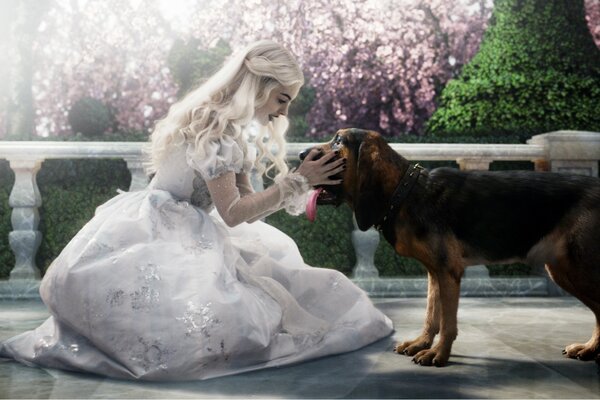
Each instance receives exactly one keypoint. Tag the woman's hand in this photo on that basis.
(317, 172)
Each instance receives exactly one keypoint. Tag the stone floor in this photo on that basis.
(506, 348)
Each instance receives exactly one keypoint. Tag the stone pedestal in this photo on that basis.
(139, 179)
(480, 164)
(574, 152)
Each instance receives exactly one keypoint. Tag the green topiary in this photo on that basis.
(538, 70)
(90, 117)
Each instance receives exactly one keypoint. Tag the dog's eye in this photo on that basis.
(336, 142)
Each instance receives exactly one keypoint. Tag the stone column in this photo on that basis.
(139, 179)
(25, 199)
(481, 164)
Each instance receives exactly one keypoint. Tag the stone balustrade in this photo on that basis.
(562, 151)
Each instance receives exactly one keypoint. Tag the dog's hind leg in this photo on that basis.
(432, 322)
(588, 295)
(591, 349)
(577, 270)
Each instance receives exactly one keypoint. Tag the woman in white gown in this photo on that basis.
(161, 286)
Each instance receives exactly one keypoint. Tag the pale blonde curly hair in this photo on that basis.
(225, 105)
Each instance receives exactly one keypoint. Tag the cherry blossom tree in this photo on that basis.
(373, 63)
(593, 18)
(109, 50)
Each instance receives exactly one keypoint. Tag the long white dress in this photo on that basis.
(157, 287)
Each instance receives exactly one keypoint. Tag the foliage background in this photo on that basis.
(400, 53)
(378, 64)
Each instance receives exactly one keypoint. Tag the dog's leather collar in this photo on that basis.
(401, 193)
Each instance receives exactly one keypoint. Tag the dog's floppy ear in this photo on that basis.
(367, 198)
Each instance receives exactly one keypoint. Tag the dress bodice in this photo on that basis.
(184, 174)
(177, 177)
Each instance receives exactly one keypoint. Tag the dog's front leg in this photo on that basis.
(432, 322)
(439, 354)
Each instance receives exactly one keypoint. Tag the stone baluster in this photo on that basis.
(365, 244)
(25, 199)
(139, 179)
(467, 164)
(481, 164)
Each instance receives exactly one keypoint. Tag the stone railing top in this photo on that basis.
(40, 150)
(452, 151)
(553, 145)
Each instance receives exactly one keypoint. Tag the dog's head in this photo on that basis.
(368, 159)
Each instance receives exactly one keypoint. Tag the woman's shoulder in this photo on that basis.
(215, 156)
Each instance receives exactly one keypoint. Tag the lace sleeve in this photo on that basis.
(295, 190)
(235, 209)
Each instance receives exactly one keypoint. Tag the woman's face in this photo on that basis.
(277, 104)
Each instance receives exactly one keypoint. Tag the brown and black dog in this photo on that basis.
(449, 219)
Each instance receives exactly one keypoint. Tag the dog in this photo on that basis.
(449, 219)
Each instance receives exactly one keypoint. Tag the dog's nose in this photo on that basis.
(302, 155)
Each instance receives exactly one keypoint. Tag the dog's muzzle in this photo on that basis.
(331, 194)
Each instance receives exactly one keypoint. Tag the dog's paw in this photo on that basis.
(412, 347)
(584, 352)
(431, 357)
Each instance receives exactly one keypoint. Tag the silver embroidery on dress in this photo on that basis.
(150, 272)
(144, 299)
(198, 319)
(205, 243)
(200, 246)
(115, 297)
(150, 354)
(42, 345)
(73, 348)
(91, 315)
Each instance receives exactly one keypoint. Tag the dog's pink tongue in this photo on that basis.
(311, 205)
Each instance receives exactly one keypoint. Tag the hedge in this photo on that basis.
(7, 259)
